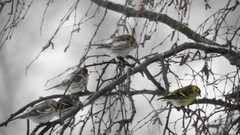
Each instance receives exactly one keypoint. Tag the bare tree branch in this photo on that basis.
(153, 16)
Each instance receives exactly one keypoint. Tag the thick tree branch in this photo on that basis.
(219, 102)
(138, 69)
(232, 56)
(131, 12)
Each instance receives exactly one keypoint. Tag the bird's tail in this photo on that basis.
(18, 117)
(99, 46)
(15, 118)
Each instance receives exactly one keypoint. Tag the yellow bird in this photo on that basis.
(67, 103)
(183, 96)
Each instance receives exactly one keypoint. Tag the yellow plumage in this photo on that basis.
(67, 103)
(183, 96)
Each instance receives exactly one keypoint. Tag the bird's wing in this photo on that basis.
(106, 43)
(35, 111)
(99, 46)
(120, 45)
(65, 82)
(177, 94)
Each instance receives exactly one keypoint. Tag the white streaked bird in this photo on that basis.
(119, 46)
(41, 113)
(75, 82)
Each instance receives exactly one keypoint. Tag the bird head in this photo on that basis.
(82, 71)
(196, 90)
(130, 39)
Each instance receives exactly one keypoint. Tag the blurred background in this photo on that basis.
(19, 87)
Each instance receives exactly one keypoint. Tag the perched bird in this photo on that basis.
(183, 96)
(77, 80)
(119, 46)
(67, 103)
(41, 113)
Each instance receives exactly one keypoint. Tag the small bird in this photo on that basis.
(67, 103)
(77, 80)
(183, 96)
(41, 113)
(119, 46)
